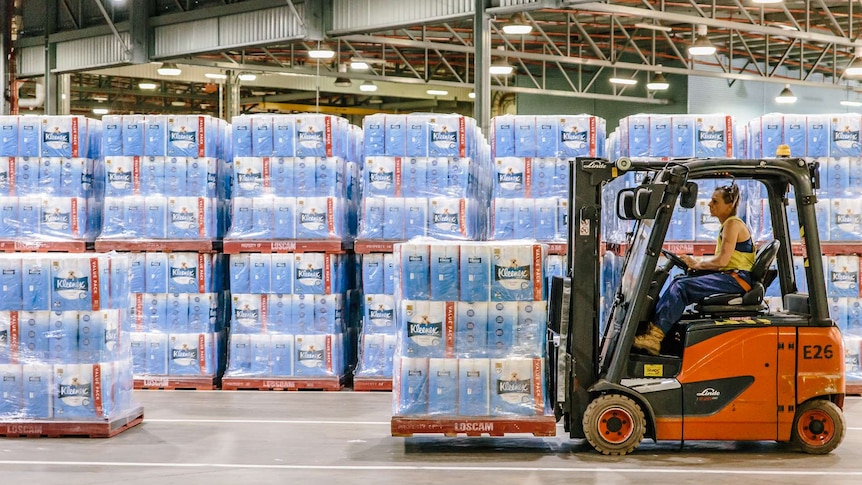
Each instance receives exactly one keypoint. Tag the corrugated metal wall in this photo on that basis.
(366, 15)
(92, 52)
(31, 61)
(517, 3)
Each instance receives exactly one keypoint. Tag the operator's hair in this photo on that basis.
(730, 195)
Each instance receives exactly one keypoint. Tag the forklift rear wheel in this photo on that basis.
(614, 424)
(819, 427)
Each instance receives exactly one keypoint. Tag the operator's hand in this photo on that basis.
(689, 261)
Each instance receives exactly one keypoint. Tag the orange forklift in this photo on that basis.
(732, 368)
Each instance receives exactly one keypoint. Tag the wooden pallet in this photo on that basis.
(332, 246)
(158, 245)
(451, 426)
(372, 383)
(853, 388)
(176, 383)
(64, 429)
(36, 246)
(333, 383)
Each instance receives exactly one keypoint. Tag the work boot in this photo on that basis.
(650, 342)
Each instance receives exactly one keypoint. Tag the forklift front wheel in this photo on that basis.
(614, 424)
(819, 427)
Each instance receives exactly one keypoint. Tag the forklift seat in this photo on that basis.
(750, 302)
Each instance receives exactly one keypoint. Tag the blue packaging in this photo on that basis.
(502, 320)
(63, 217)
(242, 223)
(471, 329)
(32, 326)
(512, 273)
(64, 136)
(61, 337)
(11, 391)
(714, 136)
(417, 135)
(475, 272)
(303, 176)
(26, 175)
(282, 273)
(249, 312)
(279, 313)
(155, 311)
(415, 276)
(838, 310)
(187, 218)
(372, 355)
(517, 387)
(152, 175)
(188, 272)
(503, 219)
(200, 306)
(682, 130)
(393, 222)
(11, 283)
(186, 136)
(328, 314)
(314, 136)
(8, 136)
(37, 391)
(190, 354)
(157, 354)
(448, 218)
(281, 176)
(156, 273)
(682, 225)
(175, 176)
(845, 220)
(137, 272)
(854, 184)
(796, 134)
(282, 354)
(314, 356)
(138, 343)
(261, 355)
(389, 273)
(316, 218)
(842, 276)
(412, 394)
(442, 386)
(429, 328)
(578, 136)
(445, 264)
(845, 135)
(382, 175)
(134, 127)
(29, 136)
(7, 173)
(459, 177)
(29, 214)
(819, 136)
(72, 174)
(197, 177)
(241, 132)
(49, 175)
(547, 136)
(474, 387)
(503, 136)
(510, 177)
(313, 274)
(36, 283)
(545, 223)
(177, 311)
(772, 134)
(375, 136)
(437, 175)
(283, 135)
(531, 327)
(112, 135)
(372, 274)
(706, 226)
(660, 136)
(415, 217)
(329, 177)
(239, 354)
(414, 176)
(155, 215)
(448, 136)
(260, 273)
(396, 135)
(637, 128)
(379, 314)
(262, 139)
(373, 210)
(525, 136)
(541, 173)
(71, 285)
(240, 271)
(157, 136)
(91, 335)
(302, 314)
(524, 226)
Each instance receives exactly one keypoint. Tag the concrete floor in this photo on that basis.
(246, 437)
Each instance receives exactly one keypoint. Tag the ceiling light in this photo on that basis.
(785, 96)
(854, 104)
(660, 28)
(471, 95)
(247, 76)
(368, 87)
(500, 67)
(342, 82)
(148, 86)
(622, 80)
(215, 75)
(764, 2)
(100, 111)
(100, 98)
(359, 65)
(169, 69)
(437, 92)
(658, 82)
(702, 46)
(855, 67)
(322, 52)
(375, 100)
(178, 103)
(518, 25)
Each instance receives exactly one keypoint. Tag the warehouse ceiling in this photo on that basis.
(572, 50)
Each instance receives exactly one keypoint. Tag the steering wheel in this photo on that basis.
(674, 260)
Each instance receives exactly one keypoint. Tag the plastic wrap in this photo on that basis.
(480, 353)
(164, 177)
(660, 136)
(63, 355)
(289, 315)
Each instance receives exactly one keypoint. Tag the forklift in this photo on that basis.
(732, 368)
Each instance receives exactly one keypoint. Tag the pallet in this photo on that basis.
(372, 383)
(333, 383)
(853, 388)
(12, 246)
(451, 426)
(65, 429)
(237, 246)
(373, 246)
(176, 383)
(158, 245)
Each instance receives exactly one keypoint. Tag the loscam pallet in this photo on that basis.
(66, 429)
(282, 384)
(372, 383)
(176, 383)
(451, 426)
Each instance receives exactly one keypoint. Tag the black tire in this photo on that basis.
(614, 424)
(818, 427)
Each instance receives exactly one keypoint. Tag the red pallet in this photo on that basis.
(451, 426)
(854, 388)
(157, 245)
(370, 246)
(372, 383)
(175, 383)
(282, 384)
(43, 246)
(64, 429)
(236, 246)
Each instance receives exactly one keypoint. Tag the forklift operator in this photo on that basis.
(728, 270)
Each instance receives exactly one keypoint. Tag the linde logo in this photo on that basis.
(309, 273)
(846, 277)
(312, 217)
(444, 136)
(119, 177)
(510, 178)
(511, 272)
(182, 135)
(708, 394)
(55, 218)
(380, 314)
(573, 136)
(710, 136)
(381, 177)
(845, 135)
(184, 272)
(183, 216)
(311, 354)
(74, 390)
(848, 218)
(593, 164)
(184, 353)
(56, 136)
(425, 329)
(71, 283)
(445, 218)
(514, 386)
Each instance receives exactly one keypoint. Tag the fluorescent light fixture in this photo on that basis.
(100, 98)
(375, 100)
(342, 82)
(701, 46)
(518, 25)
(765, 2)
(437, 92)
(247, 76)
(322, 52)
(169, 69)
(786, 96)
(500, 68)
(368, 87)
(658, 82)
(660, 28)
(147, 86)
(359, 65)
(178, 103)
(215, 75)
(100, 111)
(471, 95)
(623, 81)
(854, 104)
